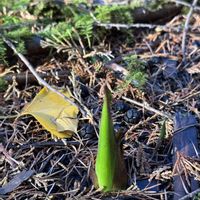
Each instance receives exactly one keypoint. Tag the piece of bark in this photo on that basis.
(16, 181)
(184, 143)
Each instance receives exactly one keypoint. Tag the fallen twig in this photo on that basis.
(185, 30)
(186, 4)
(127, 26)
(50, 143)
(146, 106)
(22, 78)
(190, 195)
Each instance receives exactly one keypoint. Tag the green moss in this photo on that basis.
(3, 84)
(6, 20)
(23, 32)
(20, 4)
(114, 14)
(14, 5)
(18, 36)
(2, 52)
(10, 29)
(136, 68)
(47, 10)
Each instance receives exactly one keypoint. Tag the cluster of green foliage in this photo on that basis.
(2, 52)
(114, 14)
(12, 25)
(137, 75)
(75, 26)
(61, 23)
(14, 5)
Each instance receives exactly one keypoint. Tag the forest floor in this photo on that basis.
(35, 165)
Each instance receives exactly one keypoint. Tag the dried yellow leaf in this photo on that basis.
(54, 113)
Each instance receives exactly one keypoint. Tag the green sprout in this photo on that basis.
(111, 174)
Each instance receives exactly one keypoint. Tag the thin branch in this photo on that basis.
(140, 25)
(186, 27)
(190, 195)
(118, 26)
(127, 26)
(39, 79)
(119, 3)
(146, 106)
(186, 4)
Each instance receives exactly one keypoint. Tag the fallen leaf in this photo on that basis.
(54, 113)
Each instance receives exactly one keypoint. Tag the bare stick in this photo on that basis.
(190, 195)
(127, 26)
(185, 30)
(185, 4)
(146, 106)
(39, 79)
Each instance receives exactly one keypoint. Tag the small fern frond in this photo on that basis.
(84, 26)
(23, 32)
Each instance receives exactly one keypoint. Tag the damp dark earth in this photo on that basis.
(89, 88)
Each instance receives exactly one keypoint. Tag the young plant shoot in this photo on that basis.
(111, 174)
